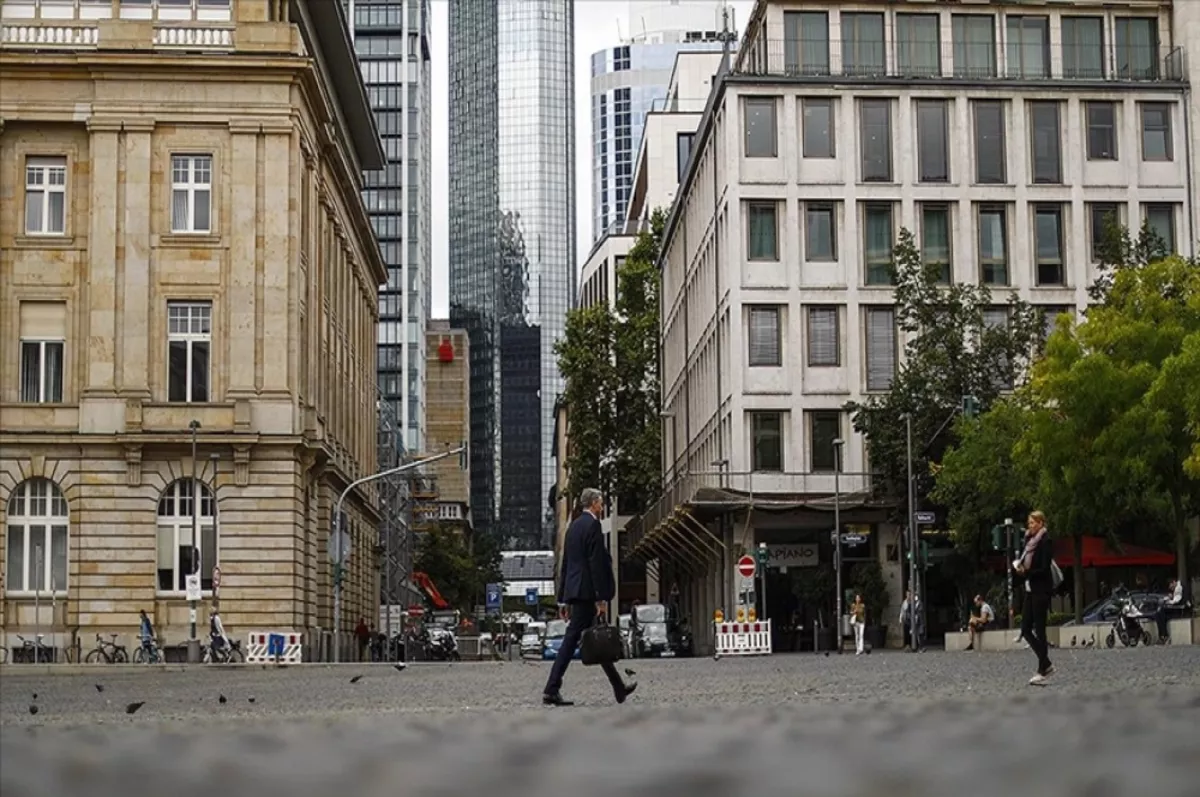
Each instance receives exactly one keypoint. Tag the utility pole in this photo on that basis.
(1008, 529)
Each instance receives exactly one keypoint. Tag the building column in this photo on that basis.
(133, 333)
(101, 305)
(275, 324)
(242, 235)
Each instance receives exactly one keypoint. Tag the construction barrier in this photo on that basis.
(743, 639)
(274, 647)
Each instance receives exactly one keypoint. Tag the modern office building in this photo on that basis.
(512, 245)
(1001, 134)
(629, 81)
(391, 39)
(188, 286)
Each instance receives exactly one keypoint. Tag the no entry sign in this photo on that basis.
(746, 567)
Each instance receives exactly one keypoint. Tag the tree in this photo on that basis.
(586, 361)
(459, 572)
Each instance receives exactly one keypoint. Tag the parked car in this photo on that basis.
(531, 644)
(1105, 610)
(657, 630)
(624, 623)
(555, 631)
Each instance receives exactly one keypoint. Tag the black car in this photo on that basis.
(657, 630)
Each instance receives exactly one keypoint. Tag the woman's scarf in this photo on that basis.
(1031, 545)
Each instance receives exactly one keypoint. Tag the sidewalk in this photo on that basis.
(81, 669)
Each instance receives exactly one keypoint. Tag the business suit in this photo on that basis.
(586, 579)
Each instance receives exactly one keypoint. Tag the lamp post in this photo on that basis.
(722, 466)
(914, 537)
(215, 459)
(193, 650)
(837, 533)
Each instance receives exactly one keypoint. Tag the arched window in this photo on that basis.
(36, 553)
(178, 555)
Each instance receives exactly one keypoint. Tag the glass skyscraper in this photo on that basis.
(391, 38)
(512, 245)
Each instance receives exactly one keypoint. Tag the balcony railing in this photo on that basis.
(75, 24)
(945, 60)
(158, 10)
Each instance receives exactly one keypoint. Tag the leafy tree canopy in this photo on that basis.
(460, 572)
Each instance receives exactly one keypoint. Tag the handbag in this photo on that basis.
(601, 644)
(1056, 576)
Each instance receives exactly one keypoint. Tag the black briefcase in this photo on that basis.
(601, 644)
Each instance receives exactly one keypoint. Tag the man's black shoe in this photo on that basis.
(625, 692)
(555, 700)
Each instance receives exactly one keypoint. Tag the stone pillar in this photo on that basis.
(102, 259)
(275, 320)
(243, 259)
(133, 332)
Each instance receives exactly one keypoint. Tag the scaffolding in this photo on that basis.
(395, 510)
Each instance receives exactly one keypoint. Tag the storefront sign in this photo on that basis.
(803, 555)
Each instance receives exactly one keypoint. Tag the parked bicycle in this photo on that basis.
(107, 652)
(148, 654)
(32, 652)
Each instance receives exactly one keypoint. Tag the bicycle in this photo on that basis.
(148, 655)
(108, 652)
(33, 653)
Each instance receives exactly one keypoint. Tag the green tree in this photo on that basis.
(460, 572)
(586, 361)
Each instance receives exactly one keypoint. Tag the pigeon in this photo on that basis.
(35, 695)
(221, 699)
(400, 666)
(133, 707)
(630, 672)
(356, 679)
(99, 688)
(251, 700)
(827, 654)
(33, 709)
(1072, 641)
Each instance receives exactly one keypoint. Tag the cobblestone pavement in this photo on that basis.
(1118, 722)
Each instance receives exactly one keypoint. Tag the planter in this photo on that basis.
(876, 636)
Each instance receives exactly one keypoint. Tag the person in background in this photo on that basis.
(858, 618)
(1034, 564)
(980, 622)
(362, 635)
(910, 619)
(1172, 604)
(216, 632)
(146, 632)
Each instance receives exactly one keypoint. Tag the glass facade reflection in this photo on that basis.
(512, 245)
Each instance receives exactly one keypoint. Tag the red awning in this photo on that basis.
(1098, 553)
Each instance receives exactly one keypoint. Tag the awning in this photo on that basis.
(1098, 553)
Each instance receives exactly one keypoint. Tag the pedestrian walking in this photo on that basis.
(585, 586)
(910, 620)
(858, 618)
(1035, 565)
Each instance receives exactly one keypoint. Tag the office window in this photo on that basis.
(1156, 132)
(762, 228)
(878, 235)
(43, 332)
(974, 42)
(1137, 48)
(760, 127)
(990, 158)
(766, 434)
(1104, 219)
(824, 427)
(45, 196)
(1050, 314)
(862, 44)
(1028, 47)
(191, 193)
(818, 127)
(875, 122)
(1046, 142)
(806, 42)
(1083, 48)
(683, 152)
(881, 348)
(1048, 232)
(1101, 131)
(189, 343)
(935, 240)
(820, 231)
(179, 554)
(933, 149)
(1161, 218)
(993, 245)
(765, 337)
(824, 335)
(998, 318)
(918, 45)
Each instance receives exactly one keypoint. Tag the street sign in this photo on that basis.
(531, 596)
(926, 518)
(746, 567)
(216, 578)
(191, 584)
(416, 610)
(853, 539)
(493, 598)
(332, 547)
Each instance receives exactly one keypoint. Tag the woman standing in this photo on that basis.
(1034, 564)
(858, 618)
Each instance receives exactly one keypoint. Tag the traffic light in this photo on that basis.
(997, 538)
(763, 555)
(970, 406)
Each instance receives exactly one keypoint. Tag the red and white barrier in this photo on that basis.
(258, 648)
(743, 639)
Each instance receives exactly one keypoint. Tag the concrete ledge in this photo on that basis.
(1184, 630)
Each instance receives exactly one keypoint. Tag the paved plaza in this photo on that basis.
(1119, 722)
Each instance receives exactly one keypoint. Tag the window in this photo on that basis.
(820, 232)
(1101, 131)
(824, 335)
(1046, 142)
(766, 344)
(766, 432)
(1156, 132)
(45, 196)
(974, 39)
(875, 118)
(993, 245)
(1050, 316)
(1137, 48)
(990, 157)
(762, 231)
(818, 127)
(1083, 48)
(935, 240)
(998, 318)
(824, 427)
(43, 330)
(933, 152)
(1161, 218)
(760, 127)
(881, 347)
(862, 44)
(36, 553)
(191, 193)
(683, 152)
(1048, 231)
(189, 343)
(806, 42)
(1104, 221)
(179, 553)
(918, 45)
(877, 242)
(1028, 47)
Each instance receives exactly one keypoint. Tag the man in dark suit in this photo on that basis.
(585, 585)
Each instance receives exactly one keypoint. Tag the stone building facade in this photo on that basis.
(448, 418)
(183, 242)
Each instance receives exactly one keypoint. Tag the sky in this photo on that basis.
(598, 24)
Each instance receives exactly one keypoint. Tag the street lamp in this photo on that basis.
(215, 459)
(193, 650)
(914, 538)
(837, 533)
